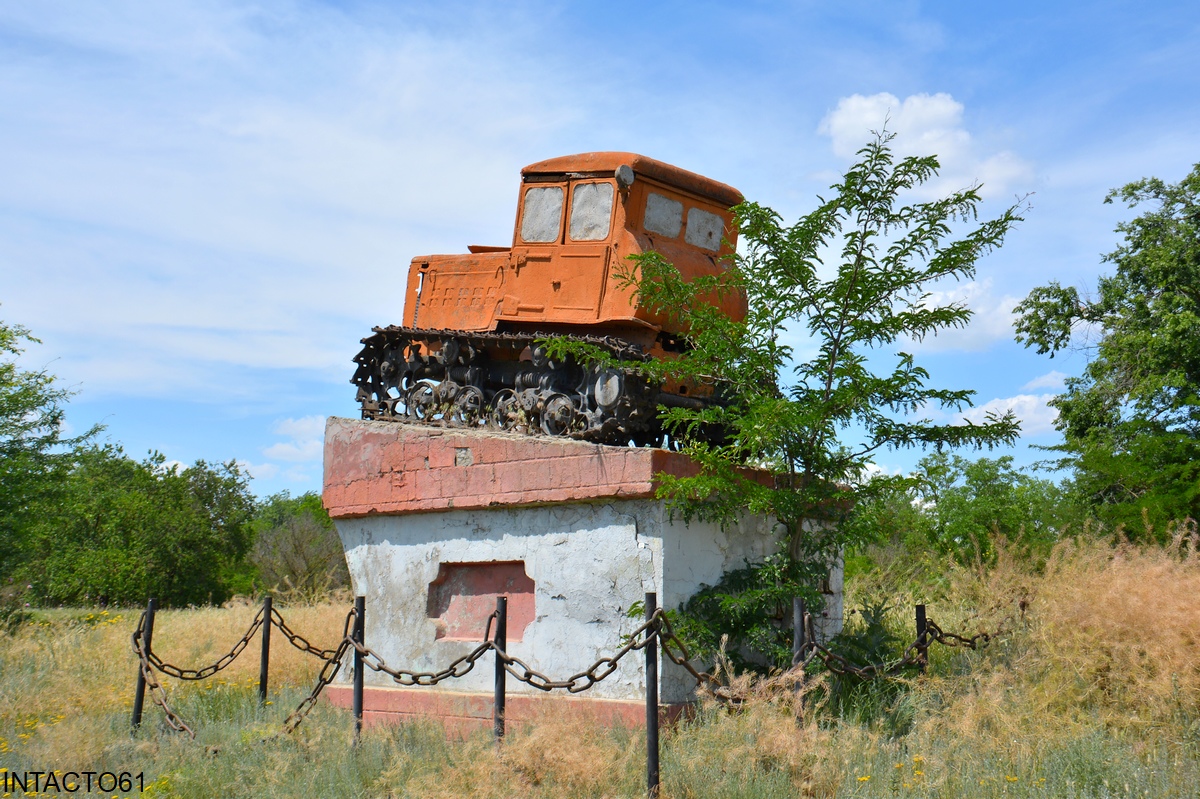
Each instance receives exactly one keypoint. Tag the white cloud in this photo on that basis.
(259, 471)
(307, 427)
(1032, 410)
(295, 475)
(307, 440)
(926, 124)
(992, 320)
(220, 194)
(299, 475)
(166, 467)
(210, 204)
(872, 469)
(298, 451)
(1049, 380)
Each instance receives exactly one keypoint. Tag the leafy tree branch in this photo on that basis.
(1131, 422)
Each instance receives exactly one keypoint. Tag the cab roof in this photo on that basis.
(607, 162)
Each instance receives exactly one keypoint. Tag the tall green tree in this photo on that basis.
(34, 451)
(1131, 422)
(957, 505)
(832, 298)
(125, 530)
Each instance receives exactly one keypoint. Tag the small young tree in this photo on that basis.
(853, 276)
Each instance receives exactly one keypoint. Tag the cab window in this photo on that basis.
(663, 215)
(591, 211)
(542, 219)
(704, 229)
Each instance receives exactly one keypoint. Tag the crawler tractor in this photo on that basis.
(468, 353)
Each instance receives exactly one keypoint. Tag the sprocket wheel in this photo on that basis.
(559, 415)
(467, 409)
(421, 404)
(506, 410)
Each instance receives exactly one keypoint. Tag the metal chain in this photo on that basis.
(657, 626)
(332, 665)
(978, 641)
(913, 656)
(708, 683)
(914, 653)
(584, 680)
(157, 694)
(406, 677)
(208, 671)
(299, 641)
(841, 666)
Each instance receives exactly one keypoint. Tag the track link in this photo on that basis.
(505, 381)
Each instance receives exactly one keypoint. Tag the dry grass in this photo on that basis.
(555, 755)
(1109, 638)
(763, 748)
(1121, 632)
(77, 666)
(1095, 692)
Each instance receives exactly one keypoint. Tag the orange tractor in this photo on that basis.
(469, 353)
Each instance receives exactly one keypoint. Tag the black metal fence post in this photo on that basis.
(360, 613)
(922, 637)
(139, 693)
(266, 651)
(501, 644)
(652, 783)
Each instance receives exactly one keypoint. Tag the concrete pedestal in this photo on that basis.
(437, 523)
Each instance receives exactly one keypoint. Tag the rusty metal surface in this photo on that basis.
(459, 667)
(503, 381)
(332, 666)
(157, 694)
(564, 284)
(583, 680)
(606, 163)
(915, 654)
(300, 642)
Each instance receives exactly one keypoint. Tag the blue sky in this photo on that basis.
(203, 206)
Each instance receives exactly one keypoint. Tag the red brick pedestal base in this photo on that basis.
(466, 713)
(439, 523)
